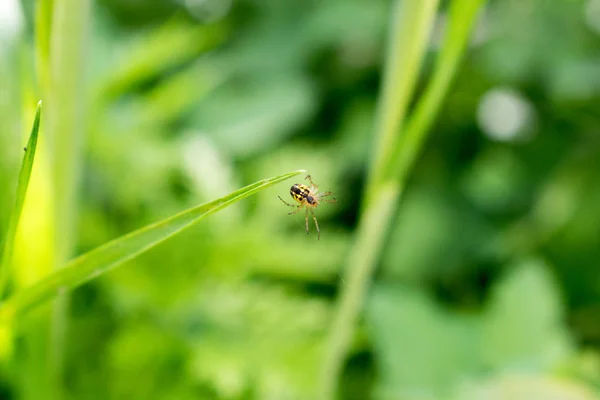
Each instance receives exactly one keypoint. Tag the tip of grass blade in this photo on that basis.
(22, 184)
(96, 262)
(33, 137)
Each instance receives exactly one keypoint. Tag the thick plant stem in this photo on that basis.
(410, 29)
(362, 261)
(411, 24)
(65, 112)
(395, 154)
(462, 16)
(68, 46)
(62, 36)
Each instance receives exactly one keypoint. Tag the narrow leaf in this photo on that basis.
(15, 215)
(112, 254)
(462, 16)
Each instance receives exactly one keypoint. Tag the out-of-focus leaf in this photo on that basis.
(420, 349)
(524, 387)
(431, 228)
(164, 48)
(524, 325)
(176, 94)
(257, 335)
(246, 118)
(495, 181)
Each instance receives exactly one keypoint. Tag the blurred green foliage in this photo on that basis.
(489, 285)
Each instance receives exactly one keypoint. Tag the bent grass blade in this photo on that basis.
(22, 185)
(115, 253)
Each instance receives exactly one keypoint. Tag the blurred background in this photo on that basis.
(489, 284)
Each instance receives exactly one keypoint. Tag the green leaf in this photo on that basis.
(462, 16)
(419, 346)
(523, 386)
(412, 23)
(112, 254)
(524, 323)
(161, 49)
(22, 184)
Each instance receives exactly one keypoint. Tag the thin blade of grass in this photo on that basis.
(15, 215)
(112, 254)
(411, 25)
(462, 15)
(385, 188)
(409, 37)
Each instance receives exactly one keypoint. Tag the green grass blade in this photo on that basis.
(390, 170)
(112, 254)
(462, 15)
(22, 184)
(409, 36)
(411, 25)
(43, 26)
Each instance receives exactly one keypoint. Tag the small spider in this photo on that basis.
(308, 197)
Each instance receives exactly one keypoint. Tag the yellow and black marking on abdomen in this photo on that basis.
(301, 193)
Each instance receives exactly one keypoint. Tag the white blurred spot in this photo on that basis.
(505, 115)
(208, 10)
(591, 11)
(210, 172)
(11, 20)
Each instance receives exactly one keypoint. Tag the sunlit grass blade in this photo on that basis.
(22, 184)
(409, 37)
(411, 24)
(395, 155)
(462, 16)
(108, 256)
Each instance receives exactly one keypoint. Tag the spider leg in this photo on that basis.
(306, 220)
(286, 203)
(325, 194)
(296, 210)
(316, 223)
(315, 187)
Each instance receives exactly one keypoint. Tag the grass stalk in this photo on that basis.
(61, 31)
(410, 29)
(394, 156)
(22, 185)
(118, 251)
(462, 14)
(411, 24)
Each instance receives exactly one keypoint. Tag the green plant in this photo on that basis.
(8, 241)
(396, 150)
(110, 255)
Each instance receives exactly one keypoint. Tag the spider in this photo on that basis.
(309, 199)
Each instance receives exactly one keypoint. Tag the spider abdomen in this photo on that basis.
(309, 198)
(300, 192)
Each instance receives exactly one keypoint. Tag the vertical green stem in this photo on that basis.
(410, 28)
(363, 258)
(43, 23)
(394, 155)
(411, 24)
(65, 111)
(66, 94)
(461, 18)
